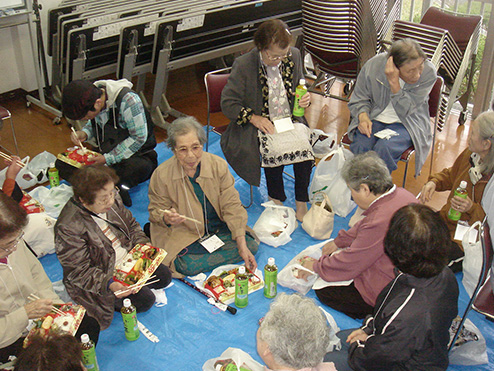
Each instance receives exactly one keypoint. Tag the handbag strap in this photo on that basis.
(325, 200)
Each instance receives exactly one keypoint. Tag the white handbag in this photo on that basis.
(318, 222)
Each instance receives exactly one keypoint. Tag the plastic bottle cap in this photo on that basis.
(271, 261)
(463, 184)
(85, 338)
(241, 270)
(127, 303)
(52, 164)
(301, 82)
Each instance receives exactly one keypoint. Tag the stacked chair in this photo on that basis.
(450, 40)
(341, 36)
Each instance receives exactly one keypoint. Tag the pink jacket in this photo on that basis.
(363, 259)
(325, 366)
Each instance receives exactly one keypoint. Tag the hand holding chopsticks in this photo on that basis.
(10, 158)
(78, 139)
(40, 310)
(136, 286)
(169, 212)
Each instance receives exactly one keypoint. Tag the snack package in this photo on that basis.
(55, 323)
(31, 205)
(77, 157)
(139, 264)
(221, 282)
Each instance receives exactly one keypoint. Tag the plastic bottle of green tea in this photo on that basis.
(270, 279)
(88, 353)
(300, 91)
(53, 176)
(130, 320)
(461, 191)
(241, 288)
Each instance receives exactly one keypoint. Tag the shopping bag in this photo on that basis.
(318, 222)
(470, 347)
(39, 233)
(276, 224)
(472, 263)
(53, 199)
(322, 143)
(327, 178)
(40, 164)
(25, 178)
(233, 356)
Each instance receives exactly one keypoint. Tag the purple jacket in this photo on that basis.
(363, 258)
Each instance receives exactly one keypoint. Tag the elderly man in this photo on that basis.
(392, 92)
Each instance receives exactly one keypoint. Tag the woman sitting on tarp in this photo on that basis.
(93, 234)
(194, 209)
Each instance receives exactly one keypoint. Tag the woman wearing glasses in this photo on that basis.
(259, 91)
(22, 276)
(93, 234)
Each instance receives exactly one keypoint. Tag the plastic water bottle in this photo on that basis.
(270, 279)
(241, 288)
(88, 353)
(461, 191)
(300, 91)
(129, 316)
(53, 176)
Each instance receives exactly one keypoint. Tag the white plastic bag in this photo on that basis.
(25, 178)
(327, 178)
(286, 276)
(472, 263)
(238, 356)
(40, 164)
(276, 224)
(54, 199)
(472, 349)
(334, 341)
(39, 233)
(322, 143)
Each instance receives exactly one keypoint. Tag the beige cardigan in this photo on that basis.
(171, 187)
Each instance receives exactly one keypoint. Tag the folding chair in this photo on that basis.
(215, 81)
(5, 115)
(484, 282)
(435, 97)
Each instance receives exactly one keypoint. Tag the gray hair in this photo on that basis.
(405, 50)
(367, 168)
(296, 331)
(183, 126)
(485, 122)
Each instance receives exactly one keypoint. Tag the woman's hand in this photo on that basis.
(244, 252)
(304, 102)
(427, 191)
(263, 124)
(117, 286)
(463, 205)
(38, 308)
(14, 166)
(358, 334)
(309, 264)
(365, 124)
(78, 136)
(329, 248)
(172, 217)
(393, 75)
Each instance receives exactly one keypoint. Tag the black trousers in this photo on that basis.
(276, 188)
(345, 299)
(145, 298)
(89, 326)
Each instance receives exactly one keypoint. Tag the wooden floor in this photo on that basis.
(36, 132)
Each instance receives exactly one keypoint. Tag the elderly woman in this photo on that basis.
(409, 329)
(294, 335)
(194, 209)
(392, 92)
(474, 165)
(93, 234)
(22, 275)
(360, 256)
(259, 91)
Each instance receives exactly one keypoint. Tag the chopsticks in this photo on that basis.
(183, 216)
(8, 157)
(34, 297)
(136, 286)
(80, 143)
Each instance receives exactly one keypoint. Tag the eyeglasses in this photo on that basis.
(184, 151)
(105, 199)
(277, 58)
(12, 245)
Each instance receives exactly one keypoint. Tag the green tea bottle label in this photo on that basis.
(270, 279)
(129, 317)
(241, 288)
(300, 91)
(89, 353)
(461, 191)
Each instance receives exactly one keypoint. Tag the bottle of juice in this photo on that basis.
(299, 93)
(88, 353)
(53, 176)
(270, 279)
(241, 288)
(461, 191)
(130, 320)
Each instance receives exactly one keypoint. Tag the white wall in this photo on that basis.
(16, 56)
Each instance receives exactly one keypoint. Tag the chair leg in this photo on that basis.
(251, 198)
(405, 175)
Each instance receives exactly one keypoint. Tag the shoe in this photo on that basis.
(127, 201)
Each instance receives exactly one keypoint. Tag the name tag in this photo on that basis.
(211, 243)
